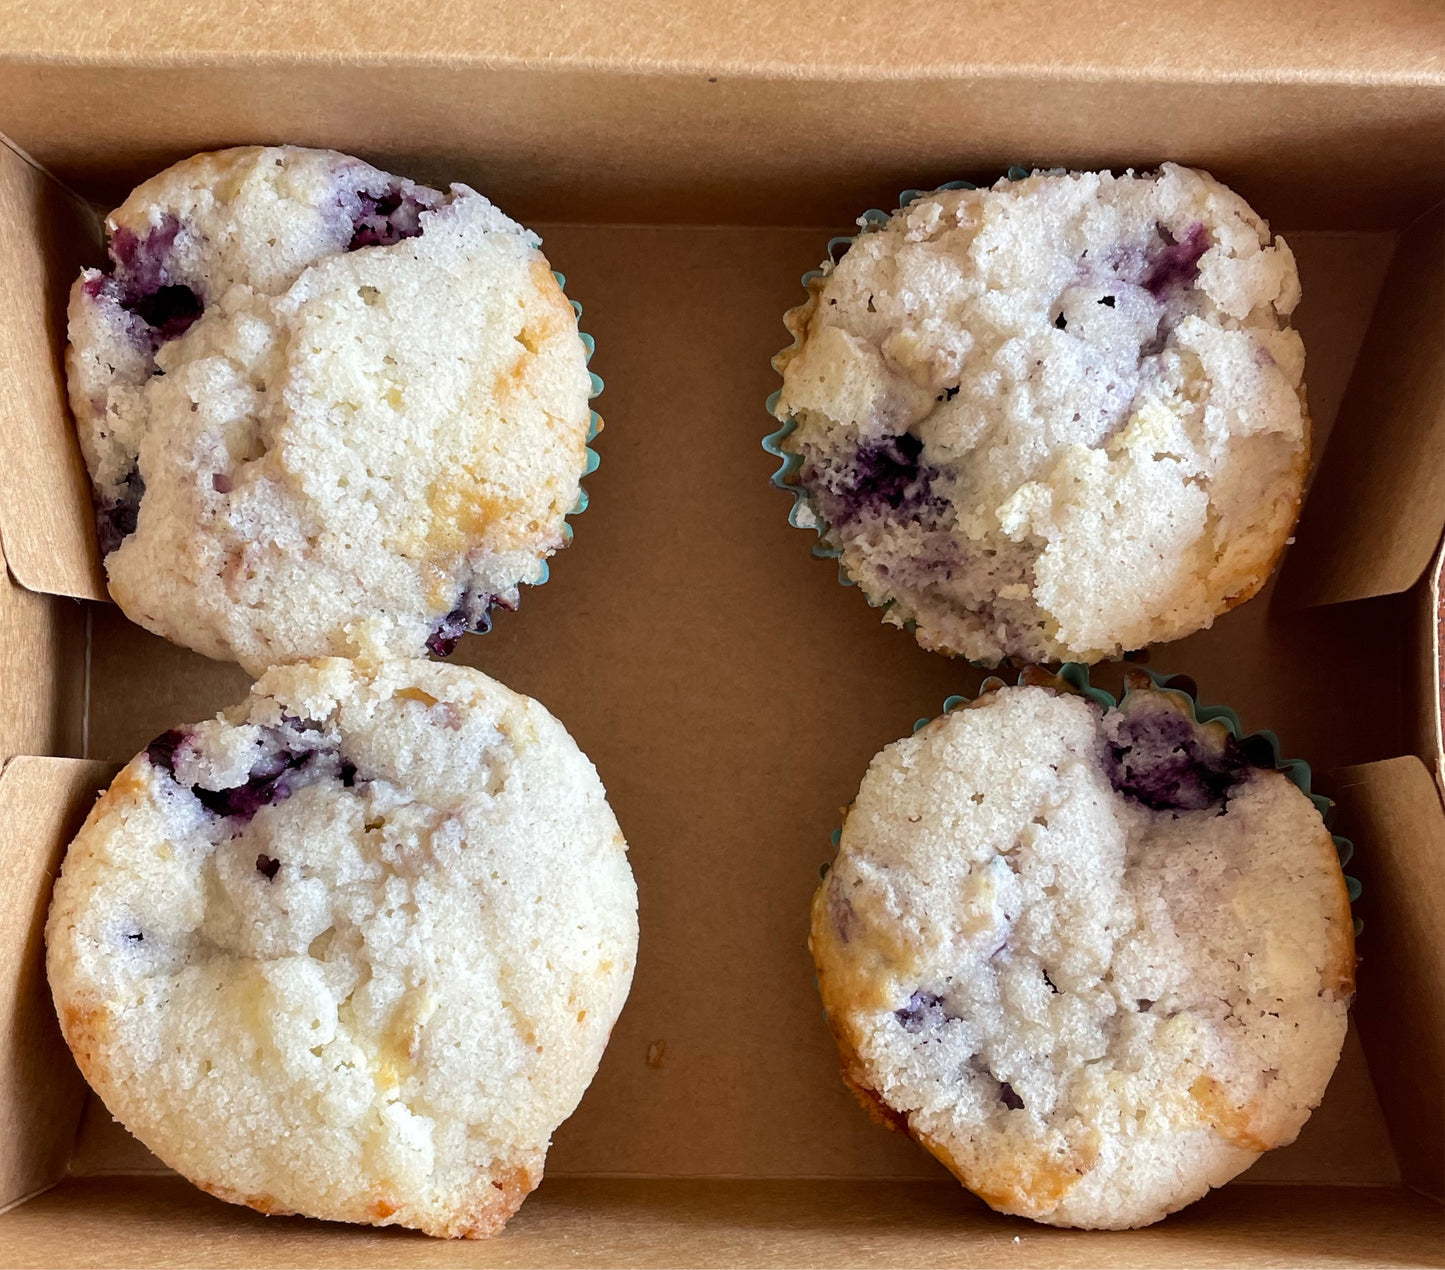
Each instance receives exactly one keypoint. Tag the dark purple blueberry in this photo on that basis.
(1178, 264)
(448, 634)
(472, 613)
(1107, 300)
(162, 751)
(923, 1011)
(386, 219)
(220, 482)
(1158, 758)
(266, 784)
(117, 516)
(1061, 322)
(170, 310)
(882, 478)
(1007, 1096)
(348, 773)
(267, 867)
(140, 264)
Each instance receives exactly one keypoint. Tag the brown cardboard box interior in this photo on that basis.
(731, 694)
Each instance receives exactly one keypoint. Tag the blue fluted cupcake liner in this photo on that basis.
(594, 427)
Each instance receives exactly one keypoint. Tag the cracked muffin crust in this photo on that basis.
(325, 410)
(1095, 962)
(1058, 419)
(353, 948)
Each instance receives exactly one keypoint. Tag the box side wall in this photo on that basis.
(43, 671)
(42, 1096)
(1376, 509)
(648, 146)
(1394, 810)
(637, 1223)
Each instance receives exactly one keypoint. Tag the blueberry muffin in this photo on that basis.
(351, 949)
(1058, 419)
(325, 410)
(1094, 960)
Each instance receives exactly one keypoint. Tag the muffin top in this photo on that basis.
(1061, 418)
(352, 948)
(325, 410)
(1095, 961)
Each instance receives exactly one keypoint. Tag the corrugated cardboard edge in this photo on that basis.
(1376, 510)
(42, 804)
(1430, 691)
(1393, 812)
(45, 524)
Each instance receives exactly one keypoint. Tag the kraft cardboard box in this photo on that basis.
(684, 165)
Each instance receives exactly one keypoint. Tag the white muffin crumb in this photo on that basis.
(325, 410)
(1057, 419)
(352, 949)
(1095, 962)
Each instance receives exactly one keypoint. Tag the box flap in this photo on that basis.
(1393, 812)
(45, 509)
(634, 1223)
(42, 804)
(1375, 512)
(1400, 43)
(769, 114)
(42, 671)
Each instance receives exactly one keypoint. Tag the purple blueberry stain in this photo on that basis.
(923, 1012)
(385, 219)
(117, 515)
(1178, 264)
(267, 866)
(221, 483)
(140, 281)
(883, 478)
(1158, 758)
